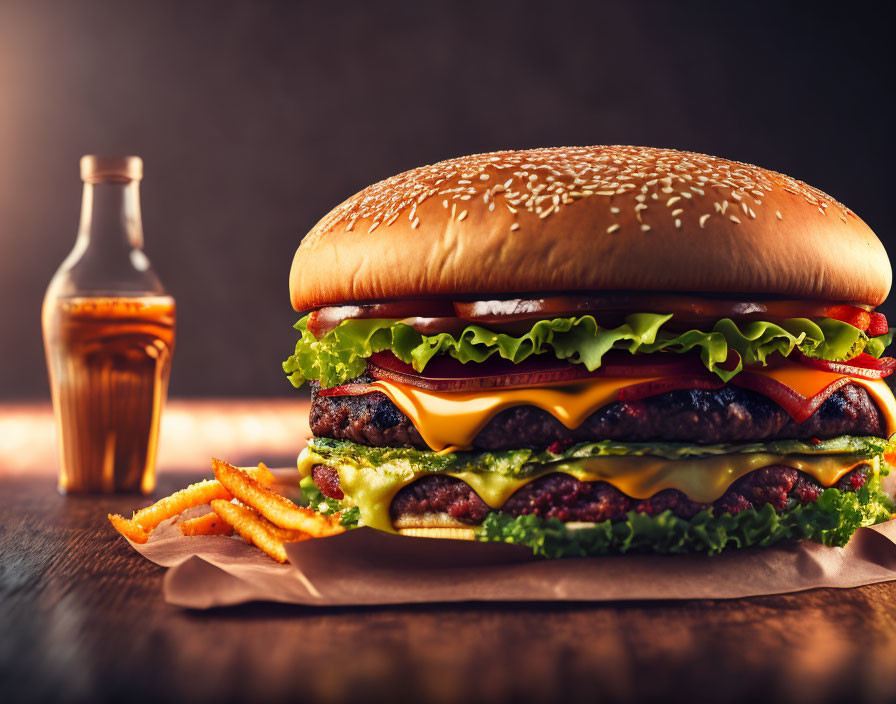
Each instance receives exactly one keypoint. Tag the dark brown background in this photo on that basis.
(255, 118)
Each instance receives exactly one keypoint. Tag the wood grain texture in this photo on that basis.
(82, 619)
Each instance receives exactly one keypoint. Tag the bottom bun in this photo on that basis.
(453, 533)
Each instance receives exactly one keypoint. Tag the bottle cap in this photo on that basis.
(111, 169)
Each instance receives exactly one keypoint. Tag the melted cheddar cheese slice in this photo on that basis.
(451, 420)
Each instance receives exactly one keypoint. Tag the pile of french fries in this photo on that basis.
(242, 502)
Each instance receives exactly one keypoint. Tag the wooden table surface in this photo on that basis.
(82, 619)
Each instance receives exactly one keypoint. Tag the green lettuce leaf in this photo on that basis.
(517, 462)
(341, 354)
(831, 520)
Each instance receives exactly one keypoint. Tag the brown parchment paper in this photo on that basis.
(368, 567)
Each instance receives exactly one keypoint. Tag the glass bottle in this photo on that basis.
(108, 327)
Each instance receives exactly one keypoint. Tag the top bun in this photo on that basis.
(589, 219)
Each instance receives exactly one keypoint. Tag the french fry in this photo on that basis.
(145, 520)
(209, 524)
(254, 528)
(257, 529)
(262, 474)
(194, 495)
(128, 528)
(276, 508)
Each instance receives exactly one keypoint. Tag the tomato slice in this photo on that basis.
(448, 374)
(864, 366)
(878, 325)
(797, 406)
(688, 309)
(505, 310)
(321, 321)
(348, 390)
(853, 315)
(512, 315)
(638, 392)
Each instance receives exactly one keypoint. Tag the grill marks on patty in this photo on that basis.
(730, 414)
(566, 498)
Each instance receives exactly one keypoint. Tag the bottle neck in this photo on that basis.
(110, 216)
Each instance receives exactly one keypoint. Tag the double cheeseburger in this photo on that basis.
(595, 350)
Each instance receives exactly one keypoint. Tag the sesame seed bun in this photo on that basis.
(589, 219)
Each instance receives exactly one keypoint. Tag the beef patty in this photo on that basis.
(568, 499)
(730, 414)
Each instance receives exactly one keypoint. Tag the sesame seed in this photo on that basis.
(613, 228)
(678, 223)
(778, 215)
(704, 218)
(673, 200)
(645, 228)
(677, 212)
(462, 215)
(614, 210)
(415, 223)
(515, 226)
(734, 218)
